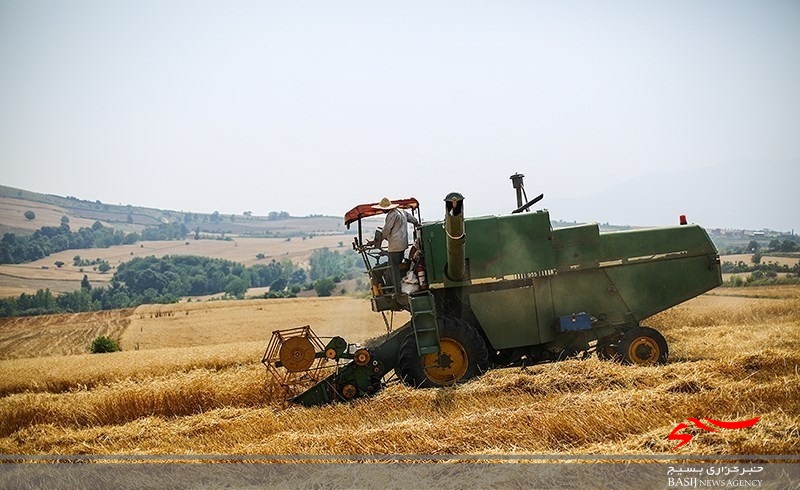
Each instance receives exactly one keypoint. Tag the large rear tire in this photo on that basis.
(463, 356)
(643, 346)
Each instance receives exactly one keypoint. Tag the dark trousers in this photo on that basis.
(395, 259)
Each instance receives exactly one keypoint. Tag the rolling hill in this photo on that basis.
(50, 208)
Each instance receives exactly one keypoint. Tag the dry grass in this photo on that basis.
(13, 215)
(65, 334)
(195, 324)
(733, 359)
(187, 324)
(61, 374)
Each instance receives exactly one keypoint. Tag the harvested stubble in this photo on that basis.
(729, 367)
(572, 407)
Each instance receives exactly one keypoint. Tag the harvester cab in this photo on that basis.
(374, 255)
(499, 291)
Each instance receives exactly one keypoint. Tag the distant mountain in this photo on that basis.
(740, 195)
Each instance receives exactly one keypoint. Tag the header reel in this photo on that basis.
(301, 364)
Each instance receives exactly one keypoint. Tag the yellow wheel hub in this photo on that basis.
(644, 351)
(449, 365)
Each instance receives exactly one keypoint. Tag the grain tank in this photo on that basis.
(496, 291)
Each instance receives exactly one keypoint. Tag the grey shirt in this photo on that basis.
(395, 229)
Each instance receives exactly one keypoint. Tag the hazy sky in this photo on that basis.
(315, 106)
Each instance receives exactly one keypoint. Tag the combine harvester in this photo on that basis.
(501, 291)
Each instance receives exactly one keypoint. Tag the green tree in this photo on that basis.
(103, 344)
(104, 267)
(59, 264)
(30, 215)
(85, 285)
(278, 284)
(788, 246)
(76, 301)
(324, 287)
(236, 287)
(298, 276)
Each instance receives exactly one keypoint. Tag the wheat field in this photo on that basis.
(733, 356)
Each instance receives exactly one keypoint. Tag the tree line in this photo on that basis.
(47, 240)
(775, 245)
(18, 249)
(147, 280)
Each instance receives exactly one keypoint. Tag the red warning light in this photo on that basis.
(683, 219)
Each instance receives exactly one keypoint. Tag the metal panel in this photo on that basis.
(650, 287)
(495, 246)
(545, 316)
(576, 247)
(690, 239)
(526, 243)
(508, 317)
(590, 291)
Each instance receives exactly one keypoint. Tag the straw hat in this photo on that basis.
(385, 204)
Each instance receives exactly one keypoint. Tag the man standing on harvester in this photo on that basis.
(395, 231)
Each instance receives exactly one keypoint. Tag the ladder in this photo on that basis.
(423, 320)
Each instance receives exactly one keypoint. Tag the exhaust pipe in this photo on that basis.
(454, 229)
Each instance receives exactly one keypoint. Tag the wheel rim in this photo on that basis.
(644, 350)
(449, 365)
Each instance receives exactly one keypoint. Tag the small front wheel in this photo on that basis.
(643, 346)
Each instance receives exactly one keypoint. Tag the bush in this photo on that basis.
(277, 285)
(324, 287)
(104, 344)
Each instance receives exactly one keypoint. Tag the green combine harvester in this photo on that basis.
(501, 291)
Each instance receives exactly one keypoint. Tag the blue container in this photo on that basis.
(575, 322)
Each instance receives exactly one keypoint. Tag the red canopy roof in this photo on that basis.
(366, 210)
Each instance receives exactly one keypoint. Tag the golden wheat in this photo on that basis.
(733, 359)
(188, 325)
(58, 374)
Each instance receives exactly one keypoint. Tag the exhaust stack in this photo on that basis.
(456, 238)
